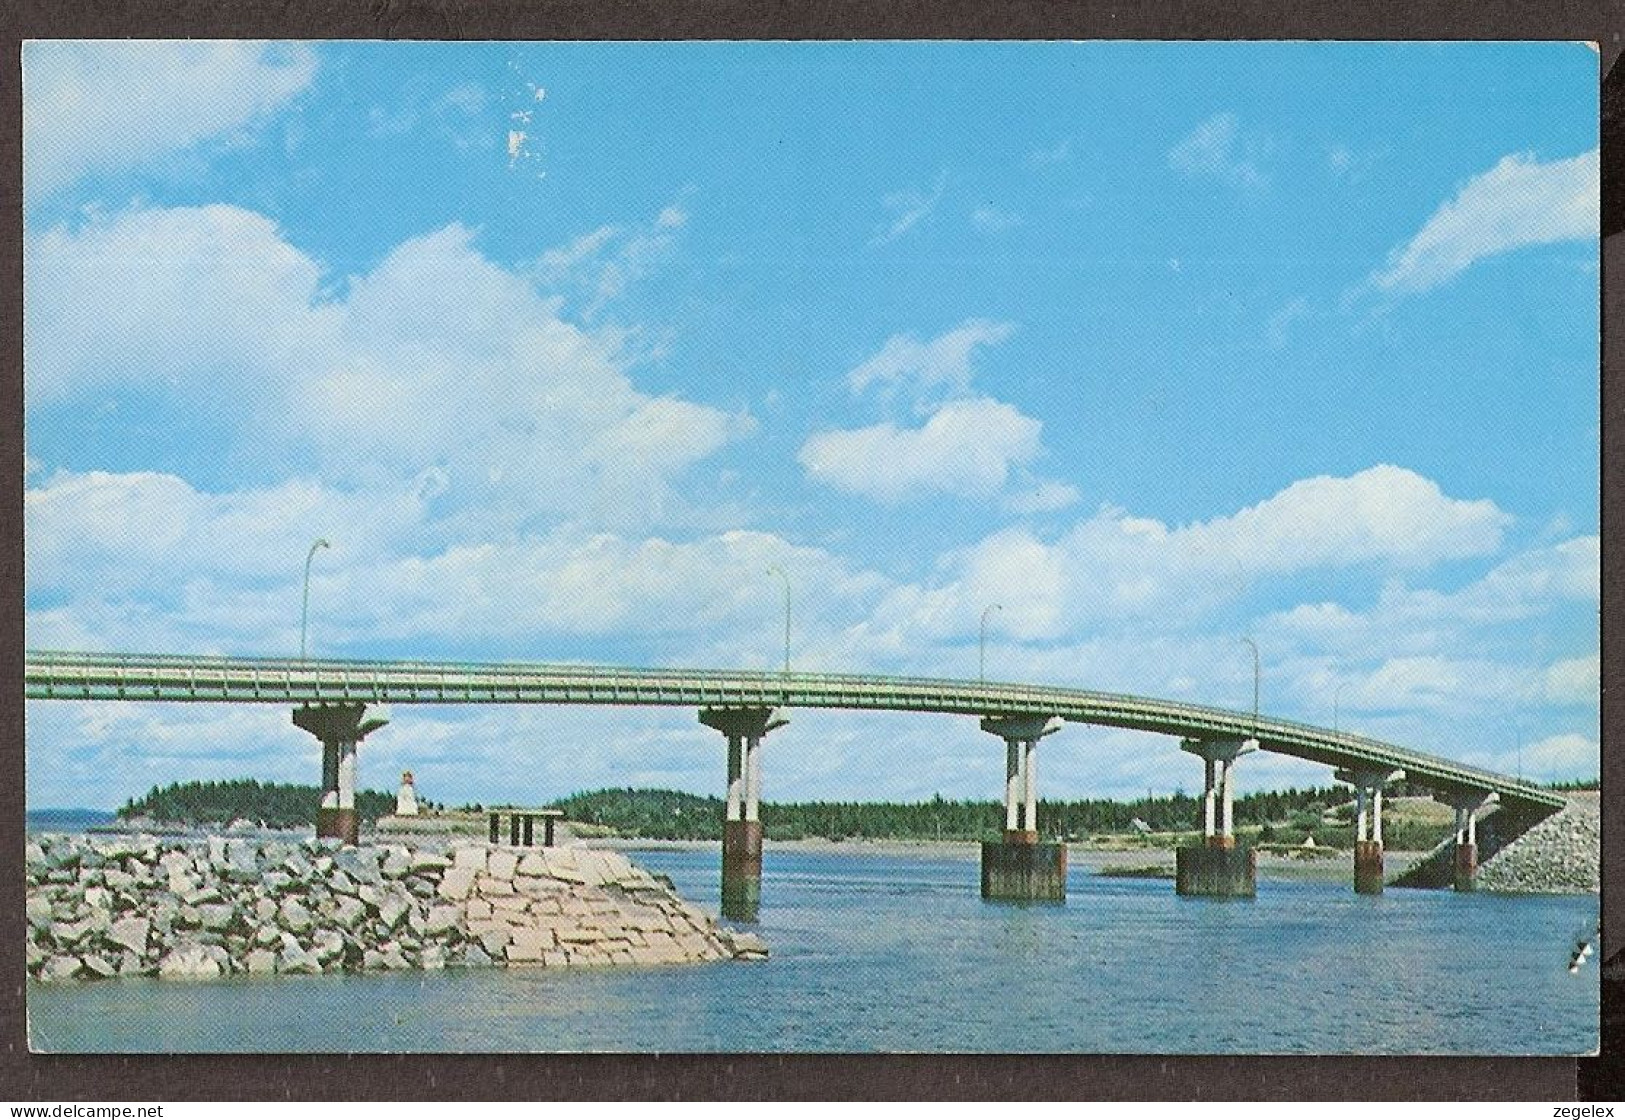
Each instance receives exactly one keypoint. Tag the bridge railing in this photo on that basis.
(216, 676)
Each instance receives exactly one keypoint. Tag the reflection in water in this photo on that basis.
(899, 953)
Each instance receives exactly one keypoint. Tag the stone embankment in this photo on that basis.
(207, 907)
(1560, 855)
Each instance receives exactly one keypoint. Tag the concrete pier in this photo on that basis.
(1368, 854)
(1466, 803)
(340, 727)
(1016, 867)
(1369, 873)
(1216, 872)
(1023, 871)
(1218, 868)
(742, 825)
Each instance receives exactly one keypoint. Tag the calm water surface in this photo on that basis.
(889, 953)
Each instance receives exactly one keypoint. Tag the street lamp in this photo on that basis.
(981, 660)
(304, 614)
(775, 570)
(1254, 647)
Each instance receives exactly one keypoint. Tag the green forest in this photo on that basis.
(1279, 816)
(1283, 816)
(274, 804)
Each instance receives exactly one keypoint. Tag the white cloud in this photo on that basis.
(598, 267)
(1117, 566)
(1563, 757)
(212, 307)
(907, 209)
(966, 448)
(1426, 620)
(168, 300)
(1216, 148)
(1575, 680)
(91, 107)
(941, 361)
(1517, 203)
(146, 561)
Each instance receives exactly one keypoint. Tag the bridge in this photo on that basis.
(342, 701)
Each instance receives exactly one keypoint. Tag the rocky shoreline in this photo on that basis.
(1560, 855)
(204, 907)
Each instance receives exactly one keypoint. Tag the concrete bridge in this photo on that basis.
(342, 701)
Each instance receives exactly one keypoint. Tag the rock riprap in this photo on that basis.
(1561, 854)
(141, 906)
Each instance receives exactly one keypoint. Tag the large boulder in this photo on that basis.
(360, 864)
(130, 933)
(294, 915)
(189, 961)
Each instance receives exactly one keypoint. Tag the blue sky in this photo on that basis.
(563, 345)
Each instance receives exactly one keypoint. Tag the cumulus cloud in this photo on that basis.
(1575, 680)
(92, 107)
(1216, 149)
(1114, 565)
(966, 448)
(942, 362)
(1426, 619)
(169, 300)
(438, 360)
(1517, 203)
(906, 209)
(149, 561)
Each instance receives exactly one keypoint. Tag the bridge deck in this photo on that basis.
(79, 676)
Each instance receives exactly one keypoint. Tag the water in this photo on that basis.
(898, 953)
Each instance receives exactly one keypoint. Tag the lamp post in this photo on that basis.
(1254, 646)
(304, 613)
(775, 570)
(981, 658)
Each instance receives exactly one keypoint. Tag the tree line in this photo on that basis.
(274, 804)
(670, 815)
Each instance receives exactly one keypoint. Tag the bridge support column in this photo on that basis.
(1016, 867)
(1466, 803)
(1368, 855)
(742, 824)
(1218, 868)
(340, 727)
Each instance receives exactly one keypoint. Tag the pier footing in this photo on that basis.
(341, 824)
(1216, 872)
(1466, 866)
(741, 870)
(1020, 869)
(1368, 871)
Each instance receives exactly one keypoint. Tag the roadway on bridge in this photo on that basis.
(52, 675)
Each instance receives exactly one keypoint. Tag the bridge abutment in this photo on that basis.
(340, 727)
(742, 826)
(1219, 868)
(1368, 853)
(1017, 867)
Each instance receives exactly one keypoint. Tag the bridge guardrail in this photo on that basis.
(222, 677)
